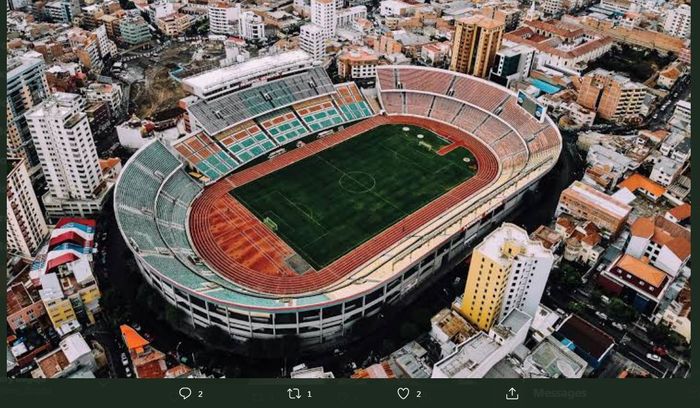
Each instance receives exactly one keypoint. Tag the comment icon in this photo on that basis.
(185, 392)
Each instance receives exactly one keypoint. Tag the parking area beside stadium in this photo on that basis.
(329, 203)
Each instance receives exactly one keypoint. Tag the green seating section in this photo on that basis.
(283, 125)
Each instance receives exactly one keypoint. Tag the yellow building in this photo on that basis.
(474, 45)
(90, 297)
(60, 311)
(71, 295)
(508, 271)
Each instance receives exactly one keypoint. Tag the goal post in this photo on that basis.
(427, 146)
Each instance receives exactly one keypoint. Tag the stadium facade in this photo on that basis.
(163, 194)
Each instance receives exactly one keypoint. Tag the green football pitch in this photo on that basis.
(329, 203)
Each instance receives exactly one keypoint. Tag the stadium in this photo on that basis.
(296, 206)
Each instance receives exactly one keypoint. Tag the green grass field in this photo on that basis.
(329, 203)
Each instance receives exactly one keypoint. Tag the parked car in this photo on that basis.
(125, 360)
(660, 351)
(653, 357)
(128, 372)
(601, 315)
(618, 326)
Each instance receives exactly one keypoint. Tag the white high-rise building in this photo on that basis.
(323, 14)
(223, 18)
(26, 226)
(677, 22)
(313, 41)
(552, 7)
(68, 157)
(350, 15)
(252, 26)
(26, 87)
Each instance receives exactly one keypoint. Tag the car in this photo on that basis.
(660, 351)
(136, 327)
(601, 315)
(653, 357)
(125, 360)
(618, 326)
(128, 372)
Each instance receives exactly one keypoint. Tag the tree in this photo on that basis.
(596, 297)
(575, 307)
(620, 311)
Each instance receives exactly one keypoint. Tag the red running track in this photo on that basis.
(253, 257)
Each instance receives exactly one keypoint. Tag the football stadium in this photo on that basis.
(296, 206)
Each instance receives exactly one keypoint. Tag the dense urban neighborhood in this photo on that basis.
(348, 189)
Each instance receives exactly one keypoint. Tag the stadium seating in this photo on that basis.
(175, 197)
(478, 93)
(386, 79)
(491, 130)
(246, 141)
(469, 118)
(520, 119)
(206, 156)
(283, 125)
(418, 103)
(445, 109)
(223, 112)
(437, 82)
(319, 113)
(393, 102)
(351, 102)
(159, 159)
(485, 110)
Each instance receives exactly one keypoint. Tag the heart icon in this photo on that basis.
(403, 392)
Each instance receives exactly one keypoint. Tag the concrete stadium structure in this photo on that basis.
(214, 260)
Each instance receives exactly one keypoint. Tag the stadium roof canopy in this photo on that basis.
(221, 113)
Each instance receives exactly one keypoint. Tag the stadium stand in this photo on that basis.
(422, 80)
(319, 113)
(418, 103)
(445, 109)
(478, 93)
(206, 156)
(469, 118)
(351, 102)
(386, 79)
(172, 203)
(219, 114)
(135, 198)
(520, 119)
(283, 125)
(393, 102)
(245, 141)
(491, 130)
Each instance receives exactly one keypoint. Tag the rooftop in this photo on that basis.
(680, 212)
(641, 270)
(249, 69)
(664, 233)
(595, 198)
(556, 360)
(586, 336)
(636, 181)
(493, 245)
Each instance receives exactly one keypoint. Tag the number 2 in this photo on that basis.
(201, 394)
(418, 394)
